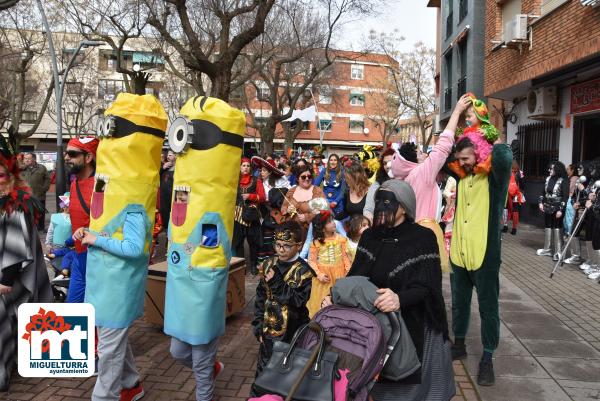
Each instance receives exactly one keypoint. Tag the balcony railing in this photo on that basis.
(447, 99)
(462, 86)
(449, 23)
(463, 9)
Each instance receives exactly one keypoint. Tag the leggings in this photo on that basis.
(550, 220)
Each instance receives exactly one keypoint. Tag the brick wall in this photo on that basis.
(564, 36)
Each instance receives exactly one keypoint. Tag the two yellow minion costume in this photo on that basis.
(208, 138)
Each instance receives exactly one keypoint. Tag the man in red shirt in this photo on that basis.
(80, 158)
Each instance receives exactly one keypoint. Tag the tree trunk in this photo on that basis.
(291, 133)
(221, 86)
(267, 135)
(139, 81)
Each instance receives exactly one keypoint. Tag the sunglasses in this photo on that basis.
(74, 153)
(305, 177)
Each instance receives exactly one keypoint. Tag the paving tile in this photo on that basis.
(510, 366)
(572, 369)
(561, 348)
(523, 389)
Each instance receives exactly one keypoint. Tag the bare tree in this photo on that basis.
(20, 48)
(116, 22)
(209, 35)
(387, 110)
(295, 56)
(413, 79)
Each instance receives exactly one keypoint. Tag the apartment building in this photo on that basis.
(351, 104)
(542, 57)
(461, 47)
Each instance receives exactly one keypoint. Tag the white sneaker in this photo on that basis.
(595, 275)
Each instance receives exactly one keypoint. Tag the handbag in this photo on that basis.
(298, 374)
(250, 213)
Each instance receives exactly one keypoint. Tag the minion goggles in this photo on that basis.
(199, 135)
(118, 127)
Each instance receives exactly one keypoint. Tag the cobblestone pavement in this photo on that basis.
(570, 296)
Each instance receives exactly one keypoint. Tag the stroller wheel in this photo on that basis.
(59, 296)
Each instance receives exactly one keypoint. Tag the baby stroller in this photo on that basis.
(358, 339)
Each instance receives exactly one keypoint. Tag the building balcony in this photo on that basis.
(462, 87)
(447, 99)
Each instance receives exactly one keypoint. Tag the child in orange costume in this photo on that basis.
(328, 257)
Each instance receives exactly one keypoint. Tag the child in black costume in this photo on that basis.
(282, 293)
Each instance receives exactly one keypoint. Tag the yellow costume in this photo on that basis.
(330, 258)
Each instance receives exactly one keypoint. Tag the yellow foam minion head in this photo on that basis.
(128, 157)
(208, 138)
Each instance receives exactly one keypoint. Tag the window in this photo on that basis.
(448, 83)
(74, 88)
(28, 117)
(108, 89)
(260, 121)
(325, 95)
(154, 88)
(325, 125)
(67, 54)
(107, 60)
(551, 5)
(263, 93)
(357, 71)
(357, 99)
(538, 147)
(463, 9)
(74, 119)
(237, 93)
(357, 126)
(462, 80)
(449, 17)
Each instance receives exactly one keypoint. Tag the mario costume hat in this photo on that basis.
(268, 164)
(88, 144)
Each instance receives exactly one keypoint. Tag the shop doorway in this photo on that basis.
(586, 138)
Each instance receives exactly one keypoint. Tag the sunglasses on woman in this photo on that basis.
(305, 177)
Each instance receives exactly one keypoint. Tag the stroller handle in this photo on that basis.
(394, 337)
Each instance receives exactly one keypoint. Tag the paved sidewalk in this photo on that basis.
(549, 329)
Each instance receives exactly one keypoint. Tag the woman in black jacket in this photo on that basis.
(402, 259)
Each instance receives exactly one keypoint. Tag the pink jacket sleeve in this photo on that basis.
(438, 156)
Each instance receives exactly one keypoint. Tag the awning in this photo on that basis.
(147, 58)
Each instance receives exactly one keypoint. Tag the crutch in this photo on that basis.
(560, 262)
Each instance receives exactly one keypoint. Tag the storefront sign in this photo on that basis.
(585, 97)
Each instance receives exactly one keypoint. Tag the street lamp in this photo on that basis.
(59, 89)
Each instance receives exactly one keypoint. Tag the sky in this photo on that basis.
(413, 19)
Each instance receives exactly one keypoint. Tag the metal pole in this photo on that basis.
(560, 262)
(321, 132)
(60, 166)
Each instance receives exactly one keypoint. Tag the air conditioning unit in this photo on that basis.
(542, 102)
(516, 29)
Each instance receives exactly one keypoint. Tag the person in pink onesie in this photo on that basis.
(420, 172)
